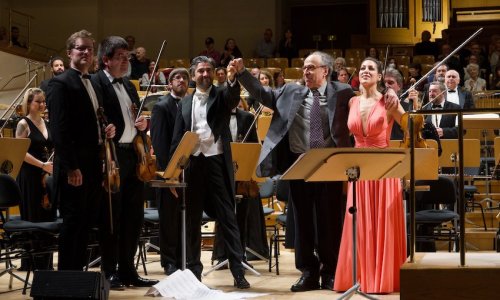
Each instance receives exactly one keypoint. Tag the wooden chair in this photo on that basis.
(404, 70)
(355, 52)
(180, 63)
(423, 59)
(252, 62)
(293, 73)
(402, 59)
(297, 62)
(278, 62)
(353, 62)
(135, 82)
(271, 70)
(335, 52)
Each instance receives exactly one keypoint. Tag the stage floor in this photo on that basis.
(278, 287)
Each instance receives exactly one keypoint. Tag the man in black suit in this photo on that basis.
(162, 127)
(317, 206)
(439, 75)
(77, 140)
(118, 247)
(456, 94)
(210, 175)
(57, 67)
(445, 124)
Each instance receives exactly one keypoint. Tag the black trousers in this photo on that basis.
(79, 208)
(209, 189)
(118, 248)
(169, 211)
(318, 214)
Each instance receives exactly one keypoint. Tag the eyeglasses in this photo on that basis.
(311, 68)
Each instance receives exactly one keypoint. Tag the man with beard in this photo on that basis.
(162, 127)
(57, 66)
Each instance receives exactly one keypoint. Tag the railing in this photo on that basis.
(27, 73)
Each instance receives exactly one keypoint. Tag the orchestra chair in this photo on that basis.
(263, 124)
(179, 63)
(150, 230)
(306, 51)
(254, 62)
(402, 59)
(298, 62)
(293, 73)
(282, 194)
(272, 70)
(136, 84)
(334, 52)
(423, 59)
(435, 222)
(22, 239)
(277, 62)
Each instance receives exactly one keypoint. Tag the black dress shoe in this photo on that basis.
(327, 282)
(240, 282)
(140, 282)
(305, 284)
(115, 283)
(170, 269)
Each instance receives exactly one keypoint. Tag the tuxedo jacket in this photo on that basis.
(448, 122)
(465, 98)
(275, 155)
(162, 127)
(220, 102)
(111, 104)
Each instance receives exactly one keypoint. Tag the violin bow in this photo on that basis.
(257, 114)
(148, 89)
(442, 62)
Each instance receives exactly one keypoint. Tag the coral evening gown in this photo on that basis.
(381, 235)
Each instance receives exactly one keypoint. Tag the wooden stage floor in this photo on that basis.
(277, 287)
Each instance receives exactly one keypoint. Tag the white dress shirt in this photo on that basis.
(206, 143)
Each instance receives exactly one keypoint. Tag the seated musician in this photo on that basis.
(445, 124)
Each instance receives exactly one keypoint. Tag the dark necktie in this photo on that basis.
(436, 106)
(85, 76)
(119, 80)
(316, 139)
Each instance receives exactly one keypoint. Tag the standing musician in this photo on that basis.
(57, 67)
(310, 116)
(119, 247)
(210, 175)
(73, 104)
(162, 127)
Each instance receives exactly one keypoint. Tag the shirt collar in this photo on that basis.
(321, 90)
(108, 76)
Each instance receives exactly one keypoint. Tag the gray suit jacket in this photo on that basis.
(275, 155)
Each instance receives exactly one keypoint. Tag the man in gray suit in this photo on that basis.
(300, 113)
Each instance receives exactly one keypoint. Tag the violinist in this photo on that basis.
(118, 246)
(169, 207)
(445, 124)
(35, 166)
(73, 105)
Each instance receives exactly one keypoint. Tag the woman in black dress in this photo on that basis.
(31, 176)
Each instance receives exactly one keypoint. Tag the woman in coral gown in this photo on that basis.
(381, 235)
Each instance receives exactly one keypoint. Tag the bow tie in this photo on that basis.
(452, 91)
(437, 106)
(85, 76)
(201, 96)
(119, 80)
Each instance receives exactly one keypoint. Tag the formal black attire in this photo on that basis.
(447, 122)
(288, 50)
(118, 248)
(249, 210)
(210, 179)
(318, 207)
(169, 207)
(75, 132)
(138, 67)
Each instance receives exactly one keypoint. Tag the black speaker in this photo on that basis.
(69, 285)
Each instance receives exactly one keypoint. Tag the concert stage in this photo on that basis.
(440, 276)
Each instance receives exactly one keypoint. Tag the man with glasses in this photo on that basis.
(73, 105)
(169, 210)
(311, 116)
(118, 246)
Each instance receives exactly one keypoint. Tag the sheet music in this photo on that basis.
(184, 285)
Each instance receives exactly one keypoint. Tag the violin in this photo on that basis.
(46, 179)
(146, 165)
(112, 169)
(418, 125)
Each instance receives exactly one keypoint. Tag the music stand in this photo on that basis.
(12, 153)
(175, 167)
(339, 164)
(245, 157)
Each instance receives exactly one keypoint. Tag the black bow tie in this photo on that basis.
(451, 91)
(119, 80)
(437, 106)
(85, 76)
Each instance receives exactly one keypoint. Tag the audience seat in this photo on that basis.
(254, 62)
(298, 62)
(401, 59)
(272, 70)
(305, 52)
(179, 63)
(404, 70)
(277, 62)
(355, 52)
(335, 52)
(293, 73)
(136, 84)
(353, 62)
(423, 59)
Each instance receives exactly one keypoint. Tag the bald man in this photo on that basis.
(454, 93)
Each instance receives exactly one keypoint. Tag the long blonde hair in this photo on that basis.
(29, 95)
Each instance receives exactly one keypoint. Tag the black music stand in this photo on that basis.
(245, 157)
(339, 164)
(175, 168)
